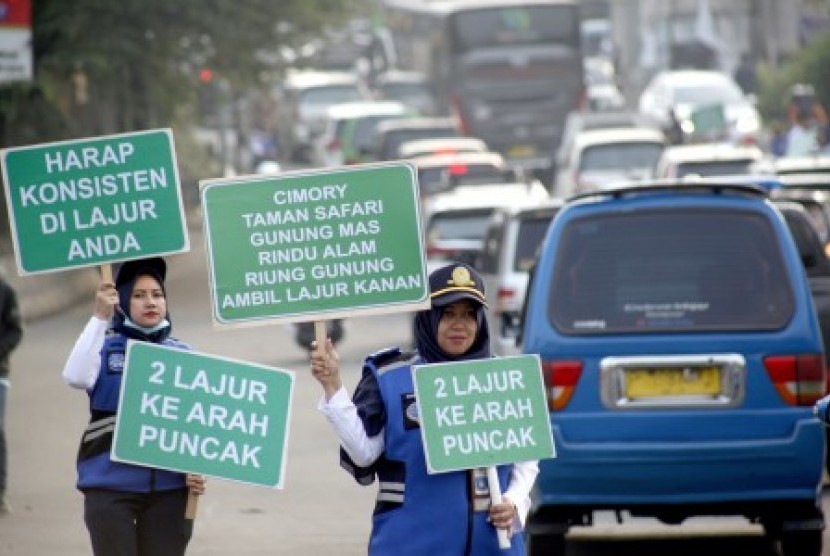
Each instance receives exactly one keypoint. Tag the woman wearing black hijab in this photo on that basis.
(417, 513)
(128, 509)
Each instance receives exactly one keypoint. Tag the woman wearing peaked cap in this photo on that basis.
(128, 509)
(417, 513)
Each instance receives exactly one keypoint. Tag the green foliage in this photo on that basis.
(811, 65)
(141, 59)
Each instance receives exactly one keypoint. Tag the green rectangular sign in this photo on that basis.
(94, 201)
(196, 413)
(708, 119)
(482, 413)
(314, 245)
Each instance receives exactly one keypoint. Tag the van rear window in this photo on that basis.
(673, 270)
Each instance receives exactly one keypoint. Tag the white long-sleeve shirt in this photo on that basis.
(364, 450)
(84, 362)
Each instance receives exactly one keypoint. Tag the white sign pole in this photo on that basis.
(495, 498)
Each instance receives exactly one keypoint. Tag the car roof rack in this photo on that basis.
(676, 186)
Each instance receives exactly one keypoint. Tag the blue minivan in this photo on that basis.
(682, 356)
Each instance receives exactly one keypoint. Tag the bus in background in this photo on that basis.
(508, 70)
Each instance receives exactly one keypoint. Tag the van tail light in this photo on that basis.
(560, 381)
(801, 380)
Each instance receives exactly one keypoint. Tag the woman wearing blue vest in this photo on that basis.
(417, 513)
(128, 509)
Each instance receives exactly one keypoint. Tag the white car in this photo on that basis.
(440, 172)
(686, 91)
(578, 121)
(601, 158)
(794, 165)
(511, 242)
(304, 98)
(441, 145)
(707, 159)
(328, 147)
(455, 221)
(409, 87)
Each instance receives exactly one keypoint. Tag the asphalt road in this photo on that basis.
(320, 510)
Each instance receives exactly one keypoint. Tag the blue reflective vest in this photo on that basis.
(95, 468)
(417, 513)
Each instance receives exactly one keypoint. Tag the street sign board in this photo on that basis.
(482, 413)
(314, 245)
(93, 201)
(709, 119)
(196, 413)
(16, 41)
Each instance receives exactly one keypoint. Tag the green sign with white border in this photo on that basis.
(315, 245)
(93, 201)
(195, 413)
(482, 413)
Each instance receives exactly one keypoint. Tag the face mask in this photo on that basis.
(129, 323)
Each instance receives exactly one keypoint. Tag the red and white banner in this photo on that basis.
(15, 40)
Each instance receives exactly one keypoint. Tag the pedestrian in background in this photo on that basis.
(778, 139)
(802, 139)
(11, 331)
(417, 513)
(128, 509)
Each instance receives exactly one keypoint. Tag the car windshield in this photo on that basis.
(395, 139)
(712, 93)
(714, 168)
(616, 156)
(331, 95)
(466, 225)
(405, 91)
(531, 233)
(443, 177)
(677, 270)
(365, 128)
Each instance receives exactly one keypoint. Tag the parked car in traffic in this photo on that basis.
(793, 165)
(682, 356)
(707, 159)
(440, 172)
(441, 145)
(456, 220)
(336, 144)
(679, 94)
(390, 135)
(816, 206)
(578, 121)
(409, 87)
(601, 158)
(304, 98)
(511, 243)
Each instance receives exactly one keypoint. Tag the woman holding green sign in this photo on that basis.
(128, 509)
(416, 512)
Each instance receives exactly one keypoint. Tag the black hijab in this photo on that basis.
(447, 285)
(128, 273)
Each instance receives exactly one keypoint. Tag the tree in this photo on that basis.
(810, 65)
(106, 67)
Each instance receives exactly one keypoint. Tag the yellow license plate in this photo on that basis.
(661, 382)
(521, 151)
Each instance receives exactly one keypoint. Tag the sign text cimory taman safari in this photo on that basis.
(315, 245)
